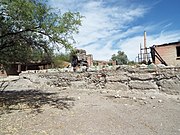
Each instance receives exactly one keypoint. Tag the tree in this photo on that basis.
(60, 60)
(31, 25)
(120, 58)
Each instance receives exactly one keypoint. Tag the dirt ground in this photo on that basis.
(91, 112)
(29, 107)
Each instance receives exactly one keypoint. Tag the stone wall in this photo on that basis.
(122, 79)
(133, 79)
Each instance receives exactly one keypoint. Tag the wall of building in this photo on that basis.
(3, 73)
(89, 59)
(168, 53)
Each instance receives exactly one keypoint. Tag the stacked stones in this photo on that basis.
(124, 78)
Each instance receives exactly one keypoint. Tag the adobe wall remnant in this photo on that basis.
(124, 78)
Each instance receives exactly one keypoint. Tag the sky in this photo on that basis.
(110, 26)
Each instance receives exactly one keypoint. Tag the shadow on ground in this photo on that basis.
(31, 99)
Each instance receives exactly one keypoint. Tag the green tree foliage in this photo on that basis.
(60, 59)
(63, 57)
(31, 27)
(121, 58)
(132, 63)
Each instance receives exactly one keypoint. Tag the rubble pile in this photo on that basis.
(98, 80)
(123, 78)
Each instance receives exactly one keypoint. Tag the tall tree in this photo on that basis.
(28, 25)
(121, 58)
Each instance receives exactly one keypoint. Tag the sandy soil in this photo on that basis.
(76, 111)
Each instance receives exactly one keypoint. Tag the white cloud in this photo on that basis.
(131, 46)
(108, 27)
(103, 25)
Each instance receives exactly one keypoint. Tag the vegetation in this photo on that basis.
(121, 58)
(61, 60)
(132, 63)
(30, 30)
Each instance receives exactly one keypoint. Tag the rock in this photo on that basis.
(103, 92)
(143, 85)
(142, 98)
(152, 66)
(141, 77)
(145, 102)
(143, 66)
(170, 86)
(117, 96)
(78, 98)
(125, 96)
(135, 99)
(152, 97)
(159, 101)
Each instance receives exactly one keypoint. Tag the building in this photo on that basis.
(90, 60)
(2, 71)
(170, 53)
(81, 54)
(16, 68)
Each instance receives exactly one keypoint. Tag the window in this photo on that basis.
(178, 51)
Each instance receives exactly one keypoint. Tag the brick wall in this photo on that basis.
(168, 53)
